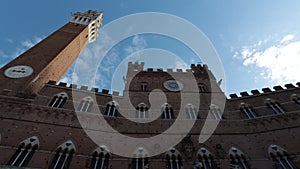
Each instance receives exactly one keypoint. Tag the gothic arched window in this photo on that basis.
(167, 112)
(247, 111)
(274, 106)
(139, 163)
(59, 100)
(174, 159)
(111, 109)
(24, 152)
(144, 87)
(202, 88)
(295, 98)
(63, 156)
(191, 112)
(142, 111)
(205, 160)
(85, 104)
(140, 159)
(100, 159)
(238, 159)
(215, 112)
(281, 158)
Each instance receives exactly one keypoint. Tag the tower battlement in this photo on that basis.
(82, 88)
(256, 92)
(92, 19)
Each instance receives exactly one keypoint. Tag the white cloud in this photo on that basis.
(278, 62)
(287, 38)
(138, 43)
(20, 48)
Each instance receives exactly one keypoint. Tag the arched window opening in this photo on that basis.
(274, 106)
(215, 112)
(24, 153)
(85, 104)
(63, 156)
(205, 160)
(59, 100)
(281, 158)
(247, 111)
(144, 87)
(167, 112)
(100, 158)
(142, 111)
(174, 160)
(238, 159)
(140, 163)
(111, 109)
(140, 159)
(191, 112)
(202, 88)
(295, 98)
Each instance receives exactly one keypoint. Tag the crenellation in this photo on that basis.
(115, 93)
(244, 94)
(233, 96)
(84, 88)
(62, 84)
(105, 91)
(255, 92)
(289, 86)
(73, 86)
(150, 70)
(53, 117)
(52, 82)
(94, 89)
(169, 70)
(266, 90)
(278, 88)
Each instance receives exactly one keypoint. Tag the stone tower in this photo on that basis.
(51, 58)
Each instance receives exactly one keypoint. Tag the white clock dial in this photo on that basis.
(18, 71)
(173, 85)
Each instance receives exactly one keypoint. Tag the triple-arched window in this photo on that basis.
(281, 158)
(295, 98)
(85, 104)
(274, 106)
(238, 159)
(202, 88)
(205, 160)
(144, 87)
(24, 153)
(63, 156)
(140, 159)
(111, 109)
(215, 112)
(167, 112)
(59, 100)
(191, 112)
(142, 111)
(100, 158)
(174, 159)
(247, 111)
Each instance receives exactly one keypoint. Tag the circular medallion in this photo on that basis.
(173, 85)
(18, 71)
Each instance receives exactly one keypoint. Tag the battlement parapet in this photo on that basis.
(82, 88)
(266, 90)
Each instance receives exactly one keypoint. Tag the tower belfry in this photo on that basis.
(50, 59)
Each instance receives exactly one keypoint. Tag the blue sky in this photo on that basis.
(258, 41)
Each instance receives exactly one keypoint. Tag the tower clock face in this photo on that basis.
(18, 71)
(173, 85)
